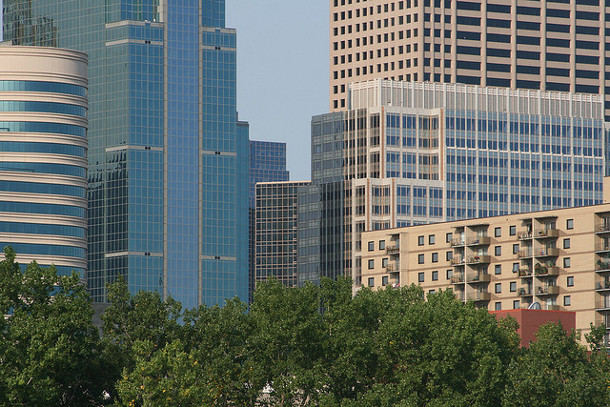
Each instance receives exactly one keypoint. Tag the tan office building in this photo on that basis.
(552, 260)
(558, 46)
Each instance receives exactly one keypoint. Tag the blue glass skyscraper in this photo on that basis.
(166, 162)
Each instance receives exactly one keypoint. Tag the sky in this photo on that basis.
(282, 71)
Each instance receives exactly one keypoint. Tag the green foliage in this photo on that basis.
(49, 352)
(557, 371)
(312, 345)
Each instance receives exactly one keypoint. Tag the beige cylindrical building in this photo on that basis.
(43, 155)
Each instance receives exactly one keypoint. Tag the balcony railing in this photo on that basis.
(601, 248)
(602, 285)
(602, 266)
(457, 260)
(392, 250)
(548, 290)
(525, 272)
(523, 292)
(479, 241)
(525, 253)
(602, 228)
(481, 258)
(546, 270)
(542, 234)
(457, 279)
(525, 235)
(602, 305)
(458, 242)
(479, 278)
(547, 252)
(479, 297)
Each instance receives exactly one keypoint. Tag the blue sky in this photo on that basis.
(282, 71)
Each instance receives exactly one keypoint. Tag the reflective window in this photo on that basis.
(40, 86)
(43, 127)
(54, 250)
(51, 148)
(46, 168)
(40, 188)
(44, 107)
(42, 229)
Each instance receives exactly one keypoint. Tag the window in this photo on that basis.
(448, 237)
(566, 262)
(371, 264)
(384, 262)
(449, 255)
(516, 248)
(498, 250)
(434, 257)
(515, 267)
(431, 239)
(420, 240)
(384, 281)
(420, 277)
(567, 300)
(449, 274)
(498, 269)
(420, 259)
(382, 245)
(516, 304)
(435, 276)
(570, 224)
(513, 230)
(498, 232)
(498, 306)
(498, 288)
(513, 286)
(570, 281)
(566, 243)
(431, 291)
(371, 246)
(371, 281)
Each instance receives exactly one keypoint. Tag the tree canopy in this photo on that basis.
(306, 346)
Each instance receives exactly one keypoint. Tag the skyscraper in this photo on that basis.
(552, 45)
(43, 156)
(166, 162)
(267, 164)
(411, 153)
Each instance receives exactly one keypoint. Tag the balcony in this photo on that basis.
(525, 253)
(602, 248)
(479, 278)
(525, 235)
(479, 241)
(602, 266)
(524, 292)
(392, 250)
(602, 305)
(481, 258)
(547, 252)
(479, 297)
(602, 286)
(602, 228)
(390, 268)
(458, 242)
(542, 271)
(548, 290)
(457, 260)
(552, 307)
(547, 233)
(457, 279)
(525, 272)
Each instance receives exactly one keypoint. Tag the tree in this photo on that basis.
(49, 352)
(557, 371)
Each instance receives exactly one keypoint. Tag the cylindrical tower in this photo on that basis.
(43, 155)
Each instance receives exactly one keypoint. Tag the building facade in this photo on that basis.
(267, 164)
(43, 156)
(167, 165)
(411, 153)
(553, 260)
(276, 231)
(553, 46)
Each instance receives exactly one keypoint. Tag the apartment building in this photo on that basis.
(551, 260)
(556, 45)
(409, 153)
